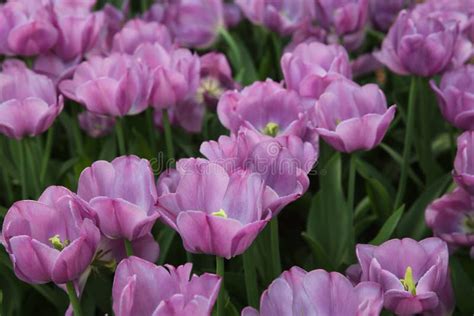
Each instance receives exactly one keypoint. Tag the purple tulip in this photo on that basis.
(350, 117)
(113, 22)
(422, 45)
(413, 275)
(384, 12)
(456, 97)
(282, 162)
(28, 101)
(96, 125)
(122, 195)
(297, 292)
(232, 14)
(344, 16)
(310, 68)
(216, 77)
(283, 16)
(306, 33)
(265, 107)
(111, 250)
(188, 114)
(195, 23)
(156, 13)
(365, 64)
(137, 32)
(142, 289)
(117, 85)
(50, 239)
(451, 218)
(55, 67)
(215, 213)
(464, 164)
(175, 74)
(26, 27)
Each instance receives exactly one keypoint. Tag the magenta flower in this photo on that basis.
(265, 107)
(50, 239)
(232, 14)
(137, 32)
(214, 212)
(350, 117)
(283, 162)
(365, 64)
(122, 196)
(195, 23)
(188, 114)
(114, 249)
(116, 85)
(175, 74)
(422, 45)
(28, 101)
(344, 16)
(413, 275)
(310, 68)
(306, 33)
(26, 28)
(113, 22)
(216, 78)
(55, 67)
(384, 12)
(96, 125)
(297, 292)
(456, 97)
(463, 172)
(451, 218)
(143, 289)
(283, 16)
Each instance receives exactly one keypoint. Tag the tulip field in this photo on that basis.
(237, 157)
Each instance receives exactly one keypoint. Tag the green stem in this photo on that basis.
(151, 130)
(46, 155)
(76, 305)
(31, 166)
(21, 162)
(250, 278)
(220, 298)
(275, 247)
(120, 137)
(351, 188)
(168, 137)
(128, 247)
(408, 142)
(237, 62)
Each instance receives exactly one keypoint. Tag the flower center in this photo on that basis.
(210, 87)
(468, 223)
(408, 282)
(271, 129)
(220, 213)
(57, 243)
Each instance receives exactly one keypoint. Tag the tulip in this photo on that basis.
(28, 101)
(116, 85)
(26, 28)
(51, 239)
(282, 162)
(187, 114)
(451, 218)
(283, 17)
(365, 64)
(216, 77)
(297, 292)
(55, 67)
(137, 32)
(384, 12)
(96, 125)
(310, 68)
(344, 16)
(142, 289)
(422, 45)
(112, 24)
(306, 33)
(463, 163)
(122, 195)
(195, 23)
(232, 14)
(350, 117)
(113, 250)
(175, 74)
(413, 275)
(456, 97)
(265, 107)
(214, 212)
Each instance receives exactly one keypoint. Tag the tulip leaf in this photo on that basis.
(463, 287)
(380, 199)
(389, 227)
(321, 258)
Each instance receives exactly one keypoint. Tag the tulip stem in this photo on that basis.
(250, 278)
(168, 137)
(31, 165)
(234, 48)
(21, 162)
(76, 305)
(408, 142)
(352, 174)
(275, 247)
(128, 247)
(120, 137)
(46, 155)
(220, 297)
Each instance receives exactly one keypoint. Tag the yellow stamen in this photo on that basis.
(271, 129)
(57, 243)
(220, 213)
(408, 282)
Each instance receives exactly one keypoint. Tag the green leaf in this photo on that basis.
(389, 227)
(321, 258)
(367, 171)
(463, 287)
(380, 199)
